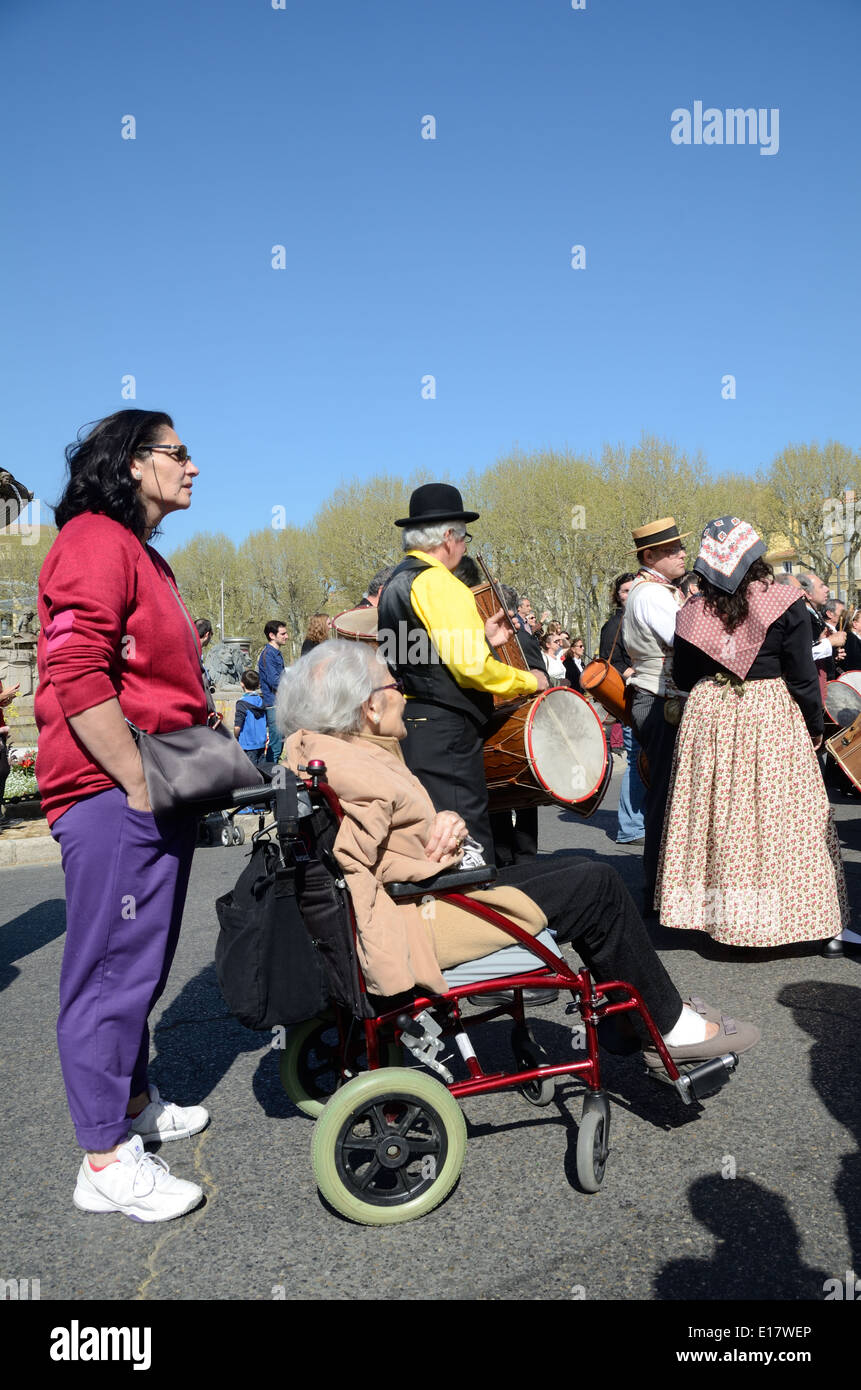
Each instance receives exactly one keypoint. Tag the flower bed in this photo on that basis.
(21, 782)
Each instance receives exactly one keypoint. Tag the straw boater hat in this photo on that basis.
(659, 532)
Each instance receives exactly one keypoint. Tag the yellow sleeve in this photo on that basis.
(448, 611)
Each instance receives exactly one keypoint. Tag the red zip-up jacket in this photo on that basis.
(112, 624)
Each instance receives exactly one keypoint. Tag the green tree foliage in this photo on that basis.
(200, 566)
(555, 524)
(356, 535)
(282, 579)
(805, 490)
(22, 554)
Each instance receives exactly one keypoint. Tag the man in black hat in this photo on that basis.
(435, 641)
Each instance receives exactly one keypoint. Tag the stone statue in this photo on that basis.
(225, 663)
(14, 497)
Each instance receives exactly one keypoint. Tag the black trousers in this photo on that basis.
(587, 904)
(513, 842)
(445, 751)
(659, 740)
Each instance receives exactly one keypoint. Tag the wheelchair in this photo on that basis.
(389, 1139)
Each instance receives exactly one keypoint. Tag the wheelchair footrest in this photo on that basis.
(702, 1079)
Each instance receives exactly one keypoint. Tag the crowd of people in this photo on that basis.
(723, 669)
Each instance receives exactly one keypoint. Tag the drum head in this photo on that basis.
(566, 746)
(356, 625)
(852, 678)
(842, 703)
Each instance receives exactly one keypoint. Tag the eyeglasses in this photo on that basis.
(395, 685)
(178, 452)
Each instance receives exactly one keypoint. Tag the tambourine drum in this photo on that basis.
(356, 625)
(551, 750)
(852, 678)
(842, 704)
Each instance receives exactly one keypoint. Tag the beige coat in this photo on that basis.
(387, 821)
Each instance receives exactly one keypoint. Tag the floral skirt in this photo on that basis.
(749, 851)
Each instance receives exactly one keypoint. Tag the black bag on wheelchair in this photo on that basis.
(324, 903)
(268, 967)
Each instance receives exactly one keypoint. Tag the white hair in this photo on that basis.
(429, 537)
(324, 690)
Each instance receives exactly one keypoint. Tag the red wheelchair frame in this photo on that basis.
(385, 1116)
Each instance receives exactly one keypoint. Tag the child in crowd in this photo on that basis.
(249, 720)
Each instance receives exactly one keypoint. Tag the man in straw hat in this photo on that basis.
(648, 631)
(436, 644)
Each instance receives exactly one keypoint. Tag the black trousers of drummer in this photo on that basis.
(444, 749)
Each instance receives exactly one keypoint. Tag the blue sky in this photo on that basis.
(405, 257)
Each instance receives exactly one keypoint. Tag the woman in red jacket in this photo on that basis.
(117, 644)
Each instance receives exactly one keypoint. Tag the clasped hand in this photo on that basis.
(446, 837)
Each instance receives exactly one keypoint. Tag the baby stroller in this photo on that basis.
(217, 828)
(389, 1140)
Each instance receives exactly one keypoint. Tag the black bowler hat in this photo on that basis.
(436, 502)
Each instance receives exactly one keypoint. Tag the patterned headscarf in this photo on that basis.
(727, 550)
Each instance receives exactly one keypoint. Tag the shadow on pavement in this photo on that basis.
(28, 933)
(757, 1254)
(831, 1014)
(196, 1041)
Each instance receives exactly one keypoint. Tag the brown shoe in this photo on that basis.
(730, 1037)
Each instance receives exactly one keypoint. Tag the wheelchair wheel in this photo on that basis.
(310, 1064)
(529, 1053)
(389, 1147)
(592, 1149)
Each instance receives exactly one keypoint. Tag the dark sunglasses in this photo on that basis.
(395, 685)
(178, 452)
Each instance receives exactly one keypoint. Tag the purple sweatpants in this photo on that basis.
(126, 881)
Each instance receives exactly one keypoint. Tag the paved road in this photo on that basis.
(667, 1224)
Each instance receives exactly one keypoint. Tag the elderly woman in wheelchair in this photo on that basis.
(419, 922)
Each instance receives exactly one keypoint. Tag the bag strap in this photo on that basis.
(615, 639)
(213, 717)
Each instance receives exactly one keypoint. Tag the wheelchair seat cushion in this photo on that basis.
(513, 960)
(460, 935)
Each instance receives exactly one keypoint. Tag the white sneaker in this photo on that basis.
(162, 1121)
(139, 1184)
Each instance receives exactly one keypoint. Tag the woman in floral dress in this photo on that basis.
(750, 852)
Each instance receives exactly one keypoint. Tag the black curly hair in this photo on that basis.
(732, 608)
(98, 463)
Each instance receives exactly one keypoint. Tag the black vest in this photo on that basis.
(406, 646)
